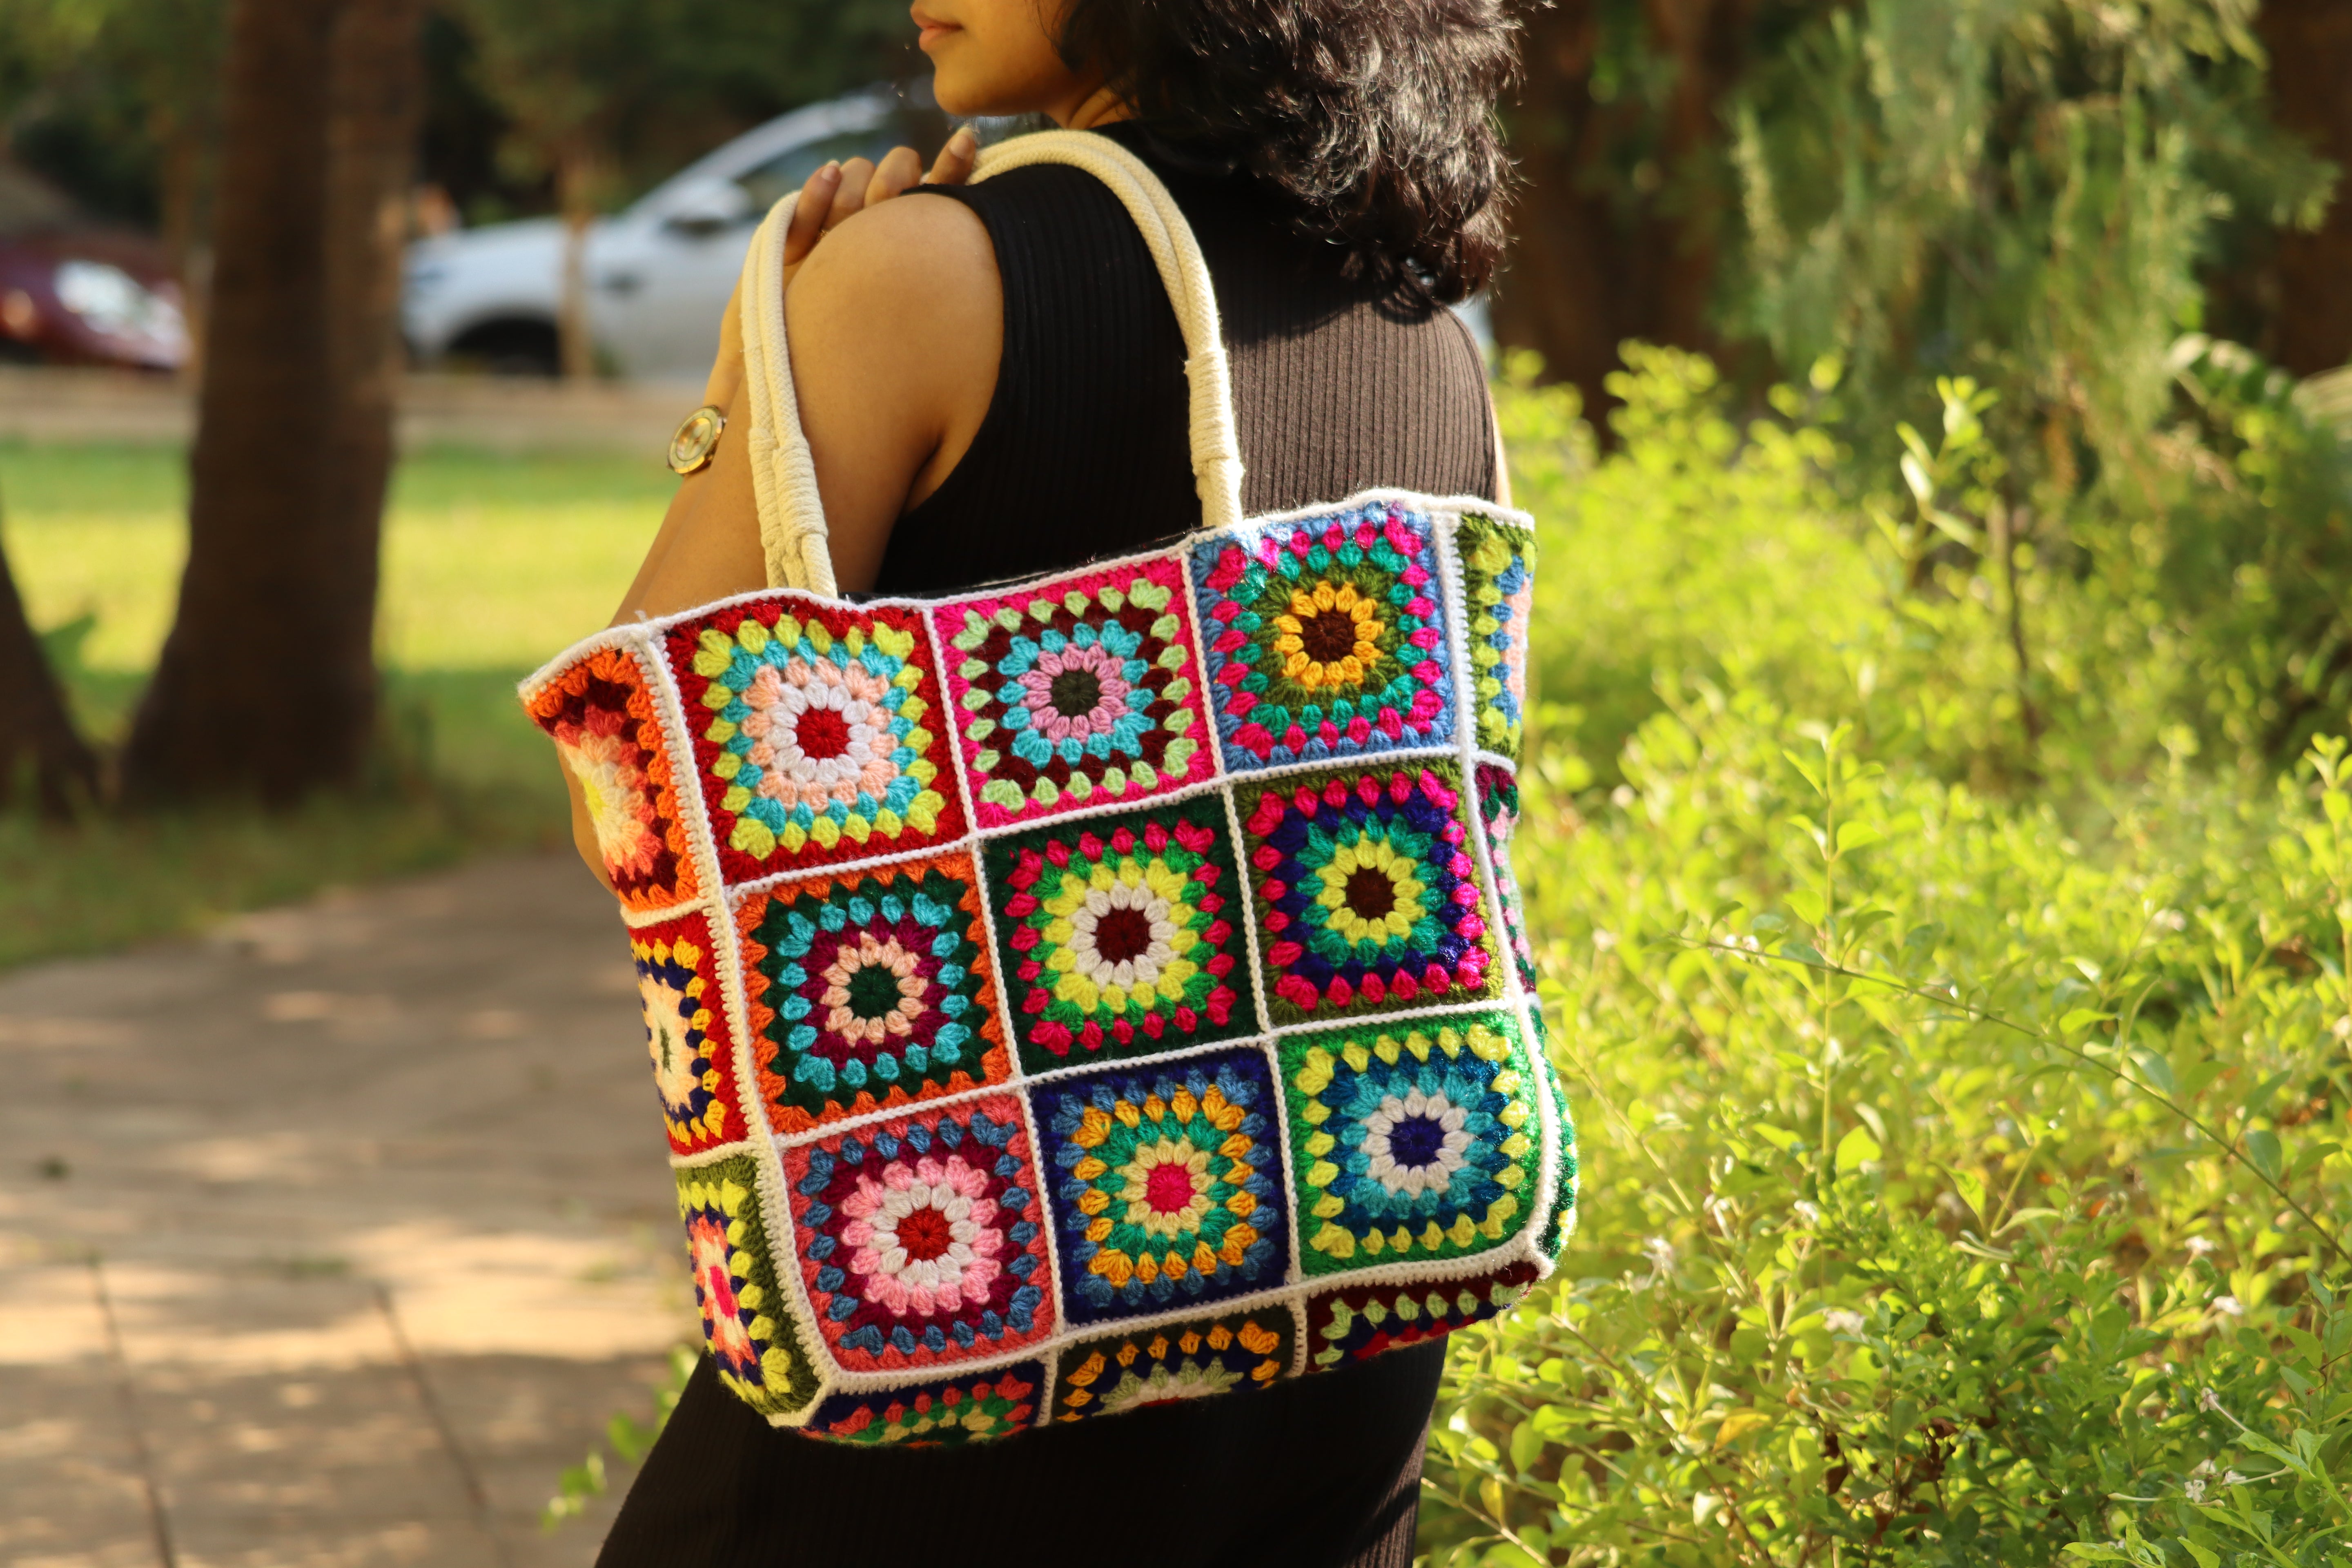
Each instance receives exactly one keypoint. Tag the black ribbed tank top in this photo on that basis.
(1338, 385)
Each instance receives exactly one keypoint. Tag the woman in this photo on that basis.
(992, 387)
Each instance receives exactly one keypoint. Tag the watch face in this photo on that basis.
(697, 439)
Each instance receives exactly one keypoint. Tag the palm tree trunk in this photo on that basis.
(267, 686)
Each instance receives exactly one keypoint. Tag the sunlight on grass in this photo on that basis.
(491, 562)
(496, 562)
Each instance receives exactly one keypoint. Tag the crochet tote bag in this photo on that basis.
(1091, 992)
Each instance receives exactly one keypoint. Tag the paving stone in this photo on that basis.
(384, 1226)
(264, 1540)
(344, 1441)
(70, 1473)
(92, 1541)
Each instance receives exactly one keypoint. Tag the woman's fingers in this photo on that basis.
(838, 190)
(849, 197)
(898, 173)
(956, 159)
(809, 215)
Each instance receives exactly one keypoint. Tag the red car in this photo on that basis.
(74, 291)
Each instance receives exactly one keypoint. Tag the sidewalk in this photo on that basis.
(514, 414)
(331, 1240)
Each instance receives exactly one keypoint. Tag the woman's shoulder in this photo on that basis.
(918, 264)
(895, 322)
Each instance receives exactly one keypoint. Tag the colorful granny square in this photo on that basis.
(1165, 1183)
(921, 1237)
(1080, 690)
(1121, 936)
(755, 1341)
(1498, 581)
(972, 1409)
(1365, 1320)
(815, 735)
(870, 991)
(1175, 1362)
(1410, 1142)
(1325, 638)
(1564, 1171)
(1499, 814)
(606, 727)
(1369, 900)
(686, 1033)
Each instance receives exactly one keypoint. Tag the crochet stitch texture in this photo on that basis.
(1098, 991)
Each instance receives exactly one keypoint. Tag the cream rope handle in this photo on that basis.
(793, 536)
(1216, 445)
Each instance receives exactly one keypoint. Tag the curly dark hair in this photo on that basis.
(1372, 120)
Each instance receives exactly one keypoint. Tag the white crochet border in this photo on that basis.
(642, 638)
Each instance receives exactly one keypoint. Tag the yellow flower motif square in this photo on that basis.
(747, 1322)
(1165, 1364)
(1168, 1186)
(692, 1050)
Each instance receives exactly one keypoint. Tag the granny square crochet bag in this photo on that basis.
(1091, 992)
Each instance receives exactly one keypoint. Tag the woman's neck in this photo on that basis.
(1100, 106)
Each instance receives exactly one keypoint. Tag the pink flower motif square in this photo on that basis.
(1080, 691)
(921, 1237)
(817, 733)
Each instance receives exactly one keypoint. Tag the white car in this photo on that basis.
(658, 274)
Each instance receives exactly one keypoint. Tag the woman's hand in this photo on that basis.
(839, 191)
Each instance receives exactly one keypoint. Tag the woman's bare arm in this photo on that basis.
(896, 326)
(895, 323)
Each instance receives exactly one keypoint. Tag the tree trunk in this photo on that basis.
(181, 182)
(378, 119)
(575, 195)
(2310, 44)
(1619, 230)
(42, 757)
(266, 684)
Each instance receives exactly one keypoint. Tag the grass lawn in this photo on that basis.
(492, 564)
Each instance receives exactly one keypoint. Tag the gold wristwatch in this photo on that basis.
(697, 439)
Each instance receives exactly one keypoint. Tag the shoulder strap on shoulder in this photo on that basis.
(783, 477)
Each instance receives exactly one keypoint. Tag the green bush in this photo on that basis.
(1963, 1115)
(2062, 654)
(1742, 555)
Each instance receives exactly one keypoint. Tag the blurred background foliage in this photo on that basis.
(1937, 835)
(115, 99)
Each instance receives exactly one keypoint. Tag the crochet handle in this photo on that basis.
(783, 476)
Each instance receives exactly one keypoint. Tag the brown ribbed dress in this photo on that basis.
(1338, 385)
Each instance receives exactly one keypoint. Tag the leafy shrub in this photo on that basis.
(1964, 1159)
(1740, 553)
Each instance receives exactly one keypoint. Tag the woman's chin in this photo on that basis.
(964, 86)
(957, 94)
(965, 104)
